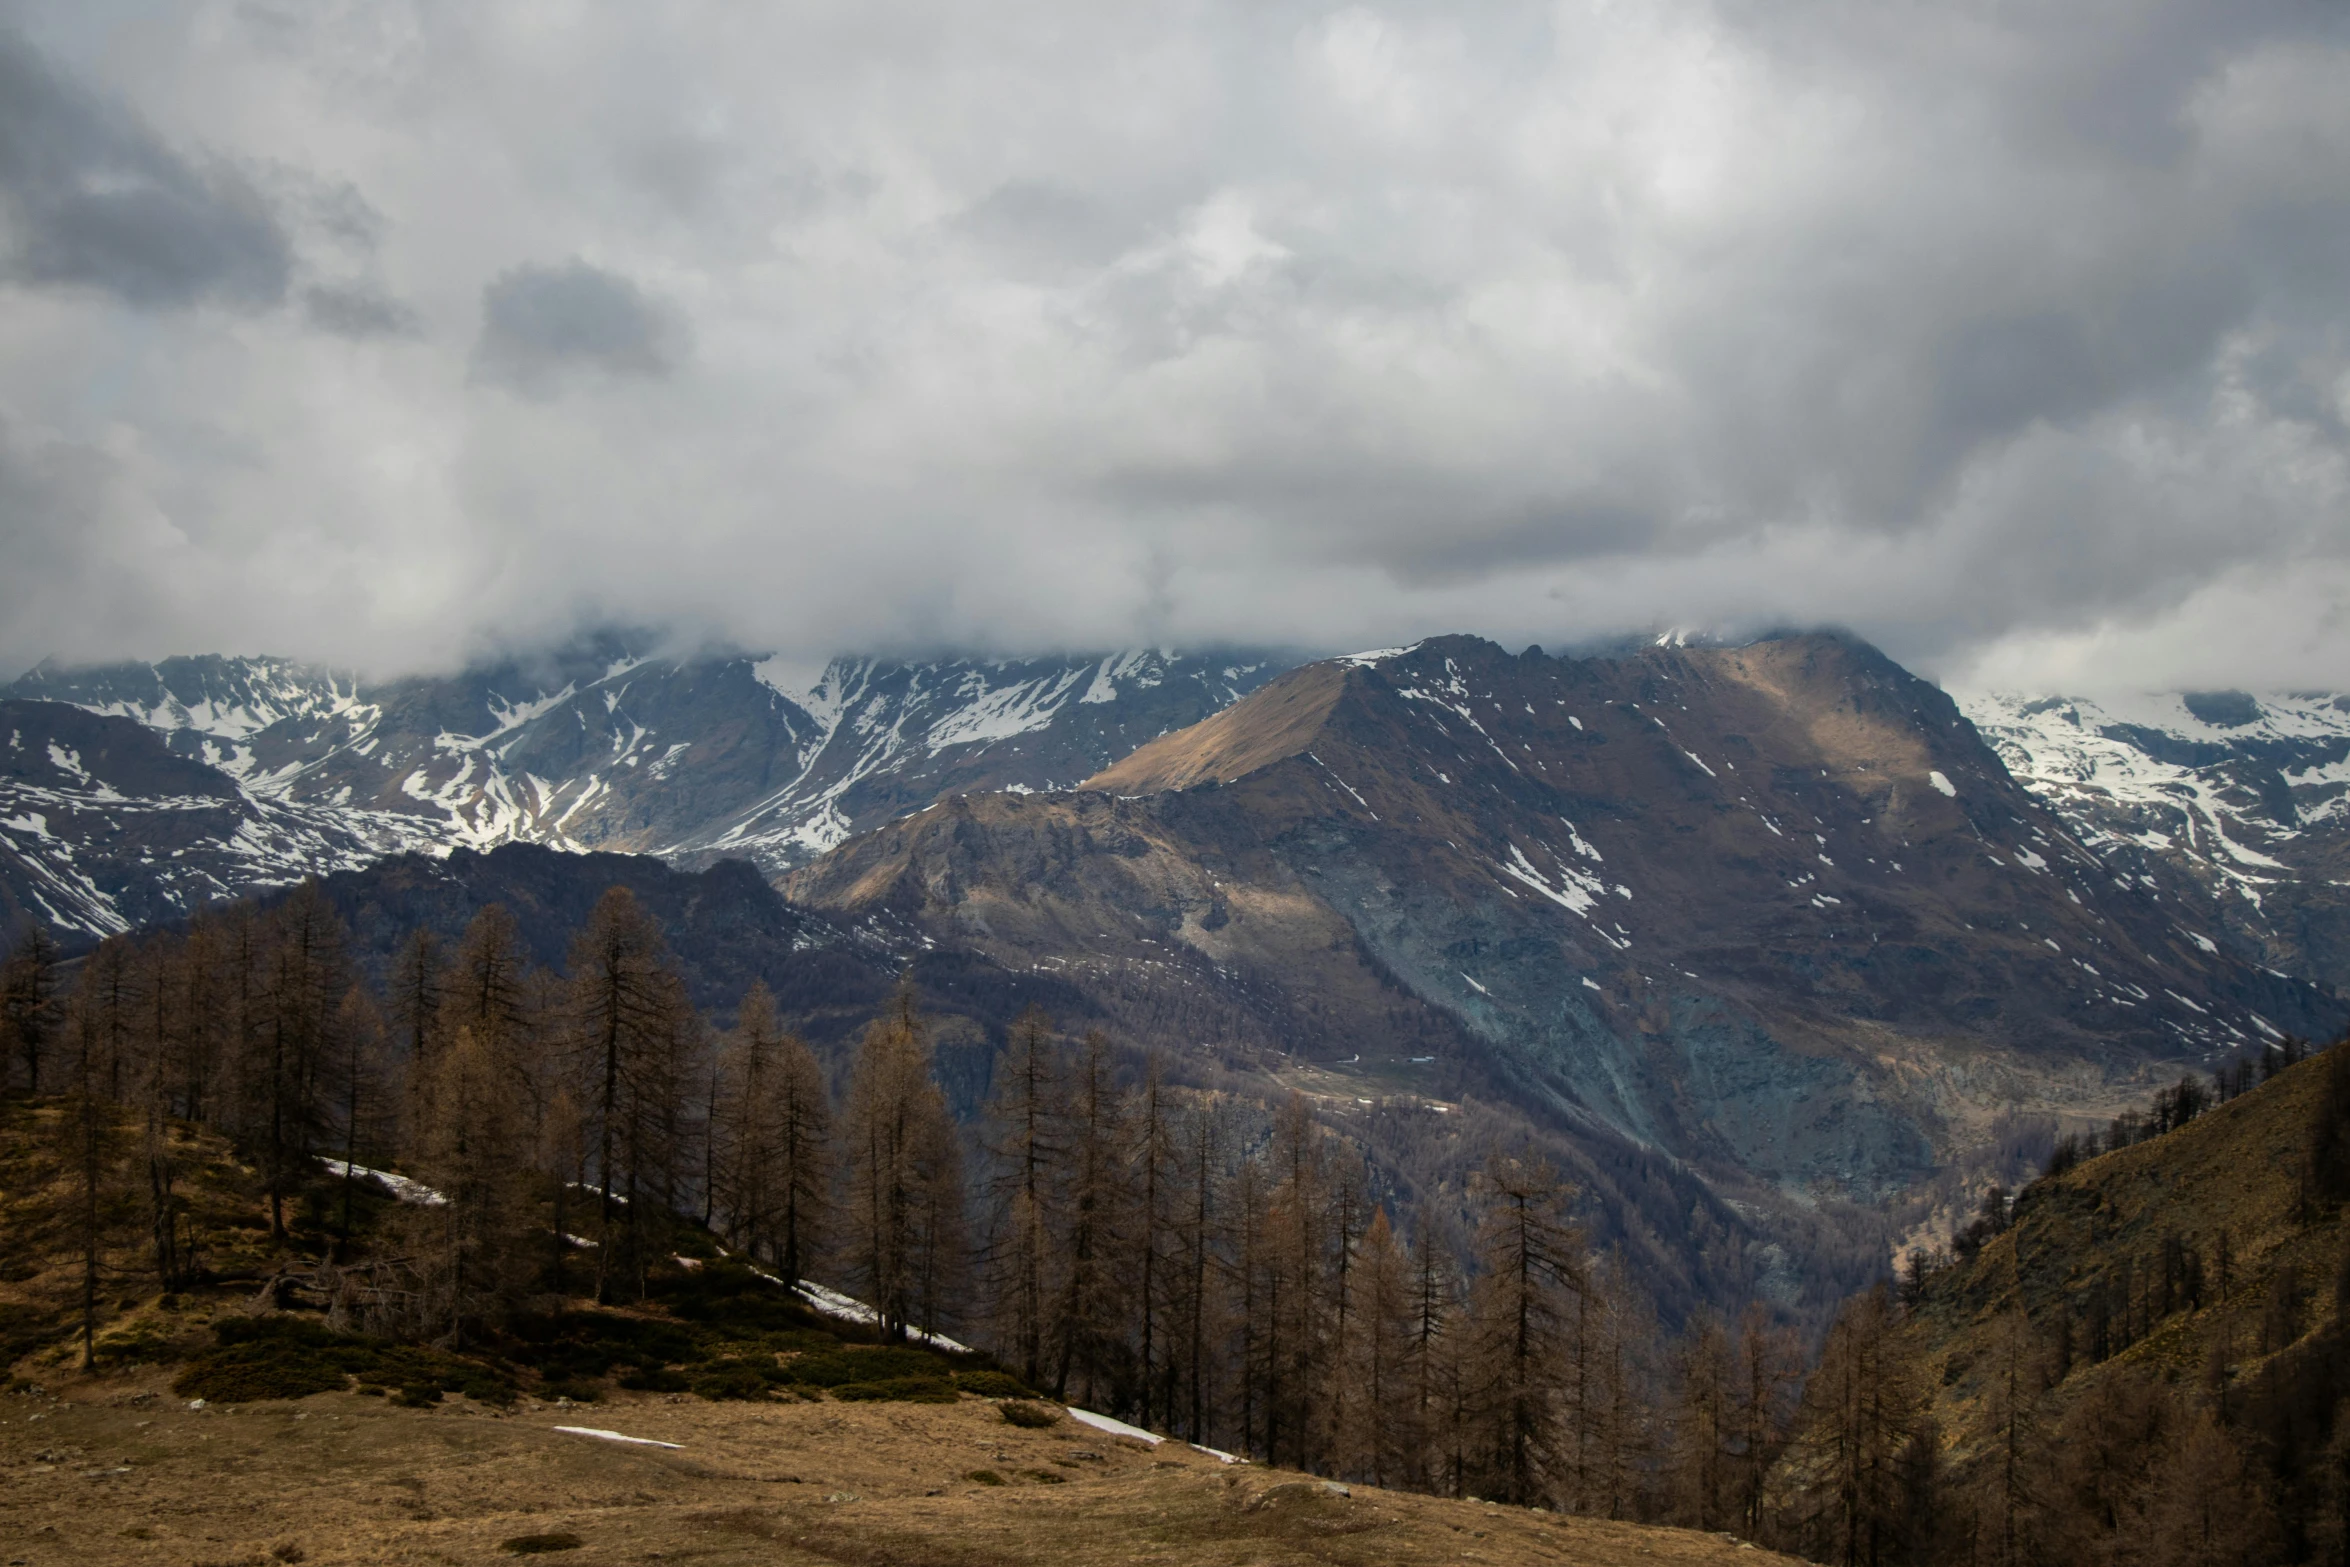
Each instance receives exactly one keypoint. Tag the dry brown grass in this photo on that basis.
(2235, 1170)
(118, 1471)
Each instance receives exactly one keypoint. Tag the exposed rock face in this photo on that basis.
(103, 828)
(2234, 808)
(601, 748)
(1775, 910)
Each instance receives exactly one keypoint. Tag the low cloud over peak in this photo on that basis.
(2012, 339)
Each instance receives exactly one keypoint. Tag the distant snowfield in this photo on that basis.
(2229, 806)
(2155, 757)
(336, 773)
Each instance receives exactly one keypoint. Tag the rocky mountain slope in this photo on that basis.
(598, 747)
(1776, 911)
(2234, 806)
(102, 827)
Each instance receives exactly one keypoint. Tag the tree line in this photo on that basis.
(1231, 1270)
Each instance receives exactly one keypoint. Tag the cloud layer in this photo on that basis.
(2011, 337)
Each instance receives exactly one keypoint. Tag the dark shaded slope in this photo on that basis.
(726, 928)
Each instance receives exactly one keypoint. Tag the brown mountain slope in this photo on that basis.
(1774, 911)
(2152, 1362)
(2083, 1264)
(1282, 720)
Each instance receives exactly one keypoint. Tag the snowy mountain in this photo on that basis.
(2233, 806)
(599, 746)
(103, 828)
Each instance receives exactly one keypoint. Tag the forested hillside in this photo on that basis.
(469, 1172)
(2140, 1357)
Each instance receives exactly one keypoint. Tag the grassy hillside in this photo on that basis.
(260, 1321)
(2252, 1255)
(236, 1421)
(2151, 1361)
(119, 1472)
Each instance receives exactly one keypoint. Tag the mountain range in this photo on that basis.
(1740, 933)
(596, 747)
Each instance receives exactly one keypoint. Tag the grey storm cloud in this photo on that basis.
(93, 198)
(539, 323)
(358, 312)
(2012, 337)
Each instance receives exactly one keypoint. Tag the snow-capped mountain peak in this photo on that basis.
(604, 747)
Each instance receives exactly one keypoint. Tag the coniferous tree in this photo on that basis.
(2210, 1505)
(201, 1076)
(940, 1260)
(362, 1116)
(1529, 1260)
(106, 1003)
(488, 987)
(1154, 1185)
(1699, 1482)
(1432, 1367)
(628, 1017)
(306, 973)
(1348, 1215)
(1296, 1303)
(412, 1005)
(770, 1131)
(1846, 1465)
(160, 1048)
(1093, 1294)
(470, 1243)
(803, 1128)
(562, 1154)
(90, 1131)
(2009, 1486)
(1609, 1399)
(28, 1004)
(1769, 1370)
(1254, 1295)
(1025, 1117)
(902, 1175)
(743, 1160)
(1197, 1268)
(1381, 1431)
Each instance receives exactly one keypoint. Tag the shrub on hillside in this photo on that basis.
(656, 1379)
(539, 1544)
(732, 1380)
(251, 1372)
(993, 1384)
(857, 1363)
(1030, 1416)
(289, 1357)
(898, 1390)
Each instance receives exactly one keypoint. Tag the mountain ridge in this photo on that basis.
(1874, 905)
(602, 747)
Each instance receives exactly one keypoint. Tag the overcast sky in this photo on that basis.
(2013, 336)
